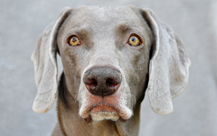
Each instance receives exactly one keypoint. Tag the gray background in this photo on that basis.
(195, 110)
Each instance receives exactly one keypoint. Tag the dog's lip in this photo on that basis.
(102, 107)
(116, 107)
(106, 107)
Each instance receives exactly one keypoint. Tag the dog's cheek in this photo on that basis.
(136, 69)
(70, 70)
(142, 76)
(76, 64)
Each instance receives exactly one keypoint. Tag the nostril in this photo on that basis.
(112, 84)
(91, 81)
(91, 84)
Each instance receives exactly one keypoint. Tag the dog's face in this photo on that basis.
(109, 45)
(110, 56)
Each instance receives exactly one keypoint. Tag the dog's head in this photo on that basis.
(110, 56)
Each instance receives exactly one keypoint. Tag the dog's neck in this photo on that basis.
(71, 124)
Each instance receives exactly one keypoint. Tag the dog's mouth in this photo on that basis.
(103, 111)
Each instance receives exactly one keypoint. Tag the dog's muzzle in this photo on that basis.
(102, 83)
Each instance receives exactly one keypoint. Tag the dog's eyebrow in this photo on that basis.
(83, 33)
(123, 28)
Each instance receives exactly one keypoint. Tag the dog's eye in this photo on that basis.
(134, 40)
(74, 41)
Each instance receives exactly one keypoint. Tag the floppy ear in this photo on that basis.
(44, 58)
(169, 66)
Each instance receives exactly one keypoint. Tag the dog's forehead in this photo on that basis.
(104, 16)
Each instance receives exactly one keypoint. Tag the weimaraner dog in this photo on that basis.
(111, 56)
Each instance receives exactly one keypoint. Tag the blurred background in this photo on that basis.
(195, 110)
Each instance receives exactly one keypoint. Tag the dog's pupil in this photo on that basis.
(133, 39)
(74, 39)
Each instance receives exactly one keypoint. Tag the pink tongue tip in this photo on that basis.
(88, 119)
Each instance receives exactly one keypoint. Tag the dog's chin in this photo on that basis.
(104, 112)
(103, 115)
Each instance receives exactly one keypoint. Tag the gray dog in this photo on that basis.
(110, 57)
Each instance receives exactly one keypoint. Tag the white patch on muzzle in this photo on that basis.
(105, 116)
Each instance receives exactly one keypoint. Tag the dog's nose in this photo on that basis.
(102, 81)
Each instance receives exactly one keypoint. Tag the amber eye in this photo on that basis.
(74, 41)
(134, 40)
